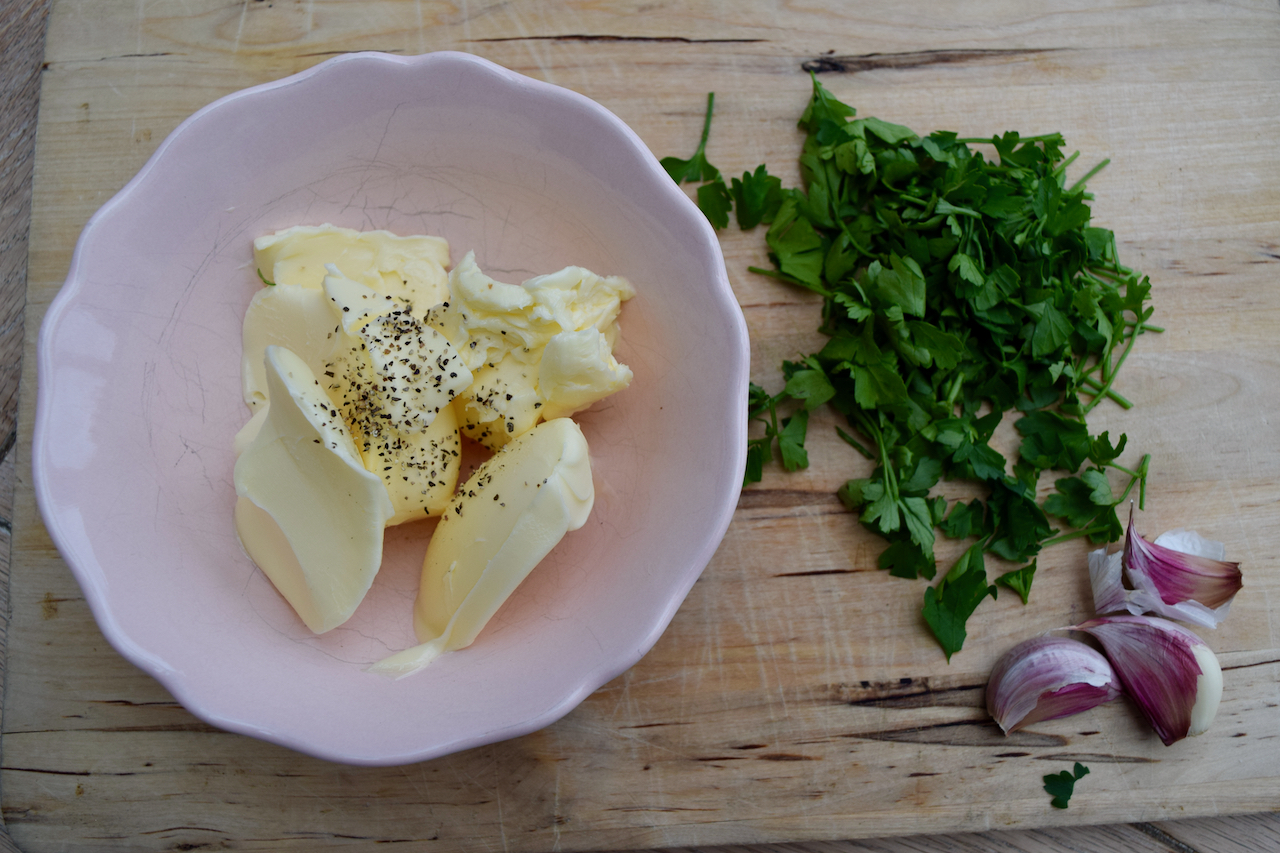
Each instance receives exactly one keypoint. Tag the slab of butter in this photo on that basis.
(504, 333)
(307, 511)
(376, 342)
(411, 268)
(515, 508)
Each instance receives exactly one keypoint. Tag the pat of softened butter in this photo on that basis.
(411, 268)
(298, 318)
(396, 371)
(502, 332)
(307, 512)
(501, 399)
(419, 469)
(411, 441)
(515, 508)
(577, 369)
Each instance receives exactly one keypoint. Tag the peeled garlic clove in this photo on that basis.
(1168, 671)
(1045, 678)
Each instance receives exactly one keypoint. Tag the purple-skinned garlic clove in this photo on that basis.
(1181, 575)
(1170, 673)
(1045, 678)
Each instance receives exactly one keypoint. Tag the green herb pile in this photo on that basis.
(955, 288)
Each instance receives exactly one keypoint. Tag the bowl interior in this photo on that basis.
(140, 397)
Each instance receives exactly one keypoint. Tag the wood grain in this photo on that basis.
(795, 697)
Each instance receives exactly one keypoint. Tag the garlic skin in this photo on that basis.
(1106, 578)
(1045, 678)
(1180, 576)
(1170, 673)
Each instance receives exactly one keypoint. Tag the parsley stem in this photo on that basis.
(1074, 534)
(1114, 274)
(1140, 477)
(706, 124)
(1110, 373)
(1094, 384)
(954, 390)
(890, 478)
(988, 140)
(844, 226)
(1062, 167)
(1095, 170)
(855, 444)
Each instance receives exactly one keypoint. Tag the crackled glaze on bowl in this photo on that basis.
(139, 397)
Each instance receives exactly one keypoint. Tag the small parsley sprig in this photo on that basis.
(806, 384)
(755, 197)
(1060, 786)
(956, 289)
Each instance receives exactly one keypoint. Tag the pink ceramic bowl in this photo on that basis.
(139, 399)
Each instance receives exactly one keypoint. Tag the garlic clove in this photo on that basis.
(1195, 584)
(1045, 678)
(1180, 576)
(1170, 673)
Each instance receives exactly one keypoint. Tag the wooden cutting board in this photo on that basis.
(796, 695)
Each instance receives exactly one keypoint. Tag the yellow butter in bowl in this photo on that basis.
(307, 511)
(409, 267)
(508, 516)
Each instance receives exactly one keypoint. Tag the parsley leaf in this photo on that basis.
(950, 604)
(715, 203)
(788, 432)
(1062, 785)
(756, 197)
(696, 168)
(791, 441)
(1019, 580)
(906, 559)
(810, 385)
(1050, 440)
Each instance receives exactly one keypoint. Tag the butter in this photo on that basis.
(411, 268)
(361, 366)
(395, 371)
(419, 469)
(502, 398)
(307, 511)
(289, 315)
(371, 357)
(515, 508)
(576, 370)
(502, 332)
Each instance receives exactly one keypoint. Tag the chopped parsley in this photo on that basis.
(957, 287)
